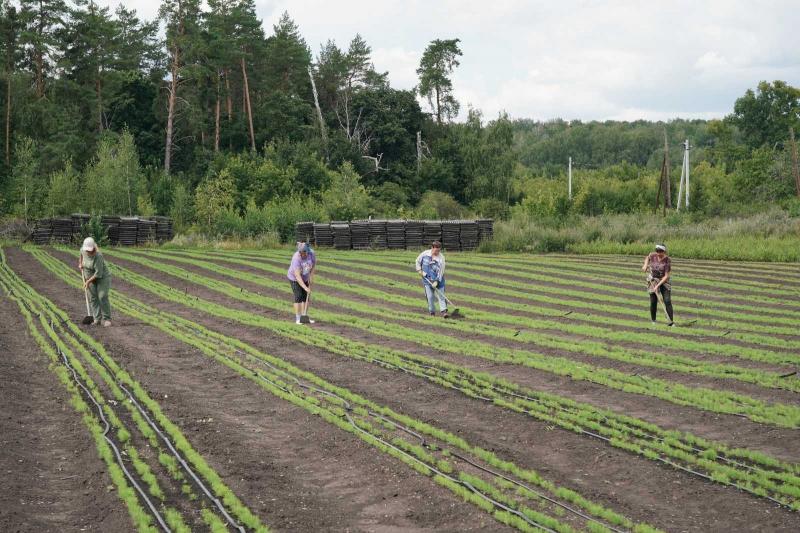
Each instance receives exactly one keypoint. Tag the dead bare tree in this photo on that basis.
(377, 161)
(322, 130)
(248, 107)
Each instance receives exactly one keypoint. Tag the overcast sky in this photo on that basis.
(585, 60)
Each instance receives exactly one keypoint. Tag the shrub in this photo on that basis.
(440, 205)
(346, 198)
(283, 213)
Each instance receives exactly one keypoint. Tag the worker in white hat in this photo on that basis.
(97, 280)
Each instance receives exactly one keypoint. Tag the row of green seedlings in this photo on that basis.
(710, 270)
(602, 314)
(107, 430)
(584, 290)
(714, 400)
(176, 455)
(631, 276)
(542, 334)
(767, 274)
(513, 495)
(745, 469)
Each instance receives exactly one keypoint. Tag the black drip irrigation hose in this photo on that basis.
(219, 505)
(388, 444)
(150, 422)
(513, 394)
(114, 446)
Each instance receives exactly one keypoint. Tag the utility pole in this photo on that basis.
(684, 177)
(569, 179)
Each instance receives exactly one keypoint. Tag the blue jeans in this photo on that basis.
(430, 293)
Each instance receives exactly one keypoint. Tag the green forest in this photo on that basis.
(237, 130)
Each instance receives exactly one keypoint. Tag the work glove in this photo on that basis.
(435, 283)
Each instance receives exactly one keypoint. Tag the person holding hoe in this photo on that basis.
(430, 266)
(301, 275)
(96, 280)
(660, 267)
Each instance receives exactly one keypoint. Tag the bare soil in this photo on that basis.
(634, 486)
(294, 470)
(51, 476)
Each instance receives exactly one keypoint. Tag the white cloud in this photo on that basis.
(571, 59)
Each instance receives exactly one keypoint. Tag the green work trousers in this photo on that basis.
(98, 299)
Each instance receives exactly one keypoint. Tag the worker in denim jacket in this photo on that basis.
(430, 266)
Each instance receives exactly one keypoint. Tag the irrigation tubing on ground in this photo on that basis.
(682, 468)
(106, 424)
(139, 489)
(172, 449)
(398, 450)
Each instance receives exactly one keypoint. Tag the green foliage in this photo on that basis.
(114, 180)
(182, 210)
(27, 191)
(765, 116)
(64, 193)
(439, 205)
(283, 213)
(96, 230)
(435, 68)
(214, 197)
(345, 198)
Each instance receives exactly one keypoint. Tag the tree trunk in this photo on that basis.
(438, 107)
(173, 92)
(229, 100)
(316, 104)
(216, 119)
(8, 118)
(39, 57)
(98, 92)
(795, 165)
(249, 108)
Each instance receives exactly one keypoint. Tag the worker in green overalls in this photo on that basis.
(97, 280)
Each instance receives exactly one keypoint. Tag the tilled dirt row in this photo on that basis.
(497, 300)
(51, 476)
(404, 285)
(778, 274)
(574, 271)
(768, 395)
(692, 309)
(636, 487)
(729, 429)
(296, 472)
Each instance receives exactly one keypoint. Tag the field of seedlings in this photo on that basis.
(553, 404)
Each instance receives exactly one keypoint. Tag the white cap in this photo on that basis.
(661, 247)
(88, 245)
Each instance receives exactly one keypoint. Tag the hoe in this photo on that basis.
(455, 313)
(88, 319)
(304, 317)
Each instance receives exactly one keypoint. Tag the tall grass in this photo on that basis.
(773, 235)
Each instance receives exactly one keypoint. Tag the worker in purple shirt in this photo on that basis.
(301, 275)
